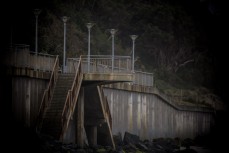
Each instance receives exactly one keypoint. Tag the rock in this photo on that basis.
(187, 142)
(177, 141)
(142, 146)
(186, 151)
(168, 144)
(120, 150)
(130, 139)
(80, 151)
(101, 150)
(129, 148)
(118, 139)
(139, 151)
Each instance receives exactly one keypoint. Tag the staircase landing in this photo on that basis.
(106, 78)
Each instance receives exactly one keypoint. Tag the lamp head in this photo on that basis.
(90, 25)
(37, 12)
(133, 37)
(65, 19)
(113, 31)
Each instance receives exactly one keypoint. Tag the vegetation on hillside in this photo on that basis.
(172, 42)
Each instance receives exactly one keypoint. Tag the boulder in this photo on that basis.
(130, 139)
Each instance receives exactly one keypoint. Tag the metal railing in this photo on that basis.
(143, 78)
(41, 61)
(48, 93)
(71, 98)
(101, 64)
(21, 57)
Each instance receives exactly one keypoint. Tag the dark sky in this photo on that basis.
(17, 18)
(214, 18)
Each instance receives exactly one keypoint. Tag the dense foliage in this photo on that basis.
(172, 42)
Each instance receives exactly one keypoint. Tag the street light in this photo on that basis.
(133, 37)
(113, 31)
(89, 26)
(36, 13)
(65, 19)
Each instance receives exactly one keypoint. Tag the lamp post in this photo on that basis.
(65, 19)
(89, 26)
(133, 37)
(112, 31)
(36, 13)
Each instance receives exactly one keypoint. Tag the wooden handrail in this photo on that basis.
(105, 106)
(71, 99)
(108, 113)
(47, 96)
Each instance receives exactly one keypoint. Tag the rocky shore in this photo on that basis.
(29, 141)
(17, 139)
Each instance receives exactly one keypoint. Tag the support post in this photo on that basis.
(80, 119)
(92, 135)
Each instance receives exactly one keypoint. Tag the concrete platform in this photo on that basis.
(106, 78)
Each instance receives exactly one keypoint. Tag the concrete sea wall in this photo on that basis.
(26, 98)
(150, 116)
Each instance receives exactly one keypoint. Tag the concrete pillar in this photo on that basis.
(80, 119)
(92, 135)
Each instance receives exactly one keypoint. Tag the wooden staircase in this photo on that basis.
(58, 106)
(52, 121)
(58, 102)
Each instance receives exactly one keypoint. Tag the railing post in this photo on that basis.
(119, 65)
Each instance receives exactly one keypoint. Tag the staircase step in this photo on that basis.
(55, 110)
(52, 121)
(61, 92)
(56, 100)
(63, 89)
(59, 96)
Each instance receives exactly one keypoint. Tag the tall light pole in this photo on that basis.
(65, 19)
(36, 13)
(133, 37)
(89, 26)
(113, 31)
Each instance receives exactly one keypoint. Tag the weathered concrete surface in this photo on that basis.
(150, 116)
(26, 98)
(112, 77)
(28, 72)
